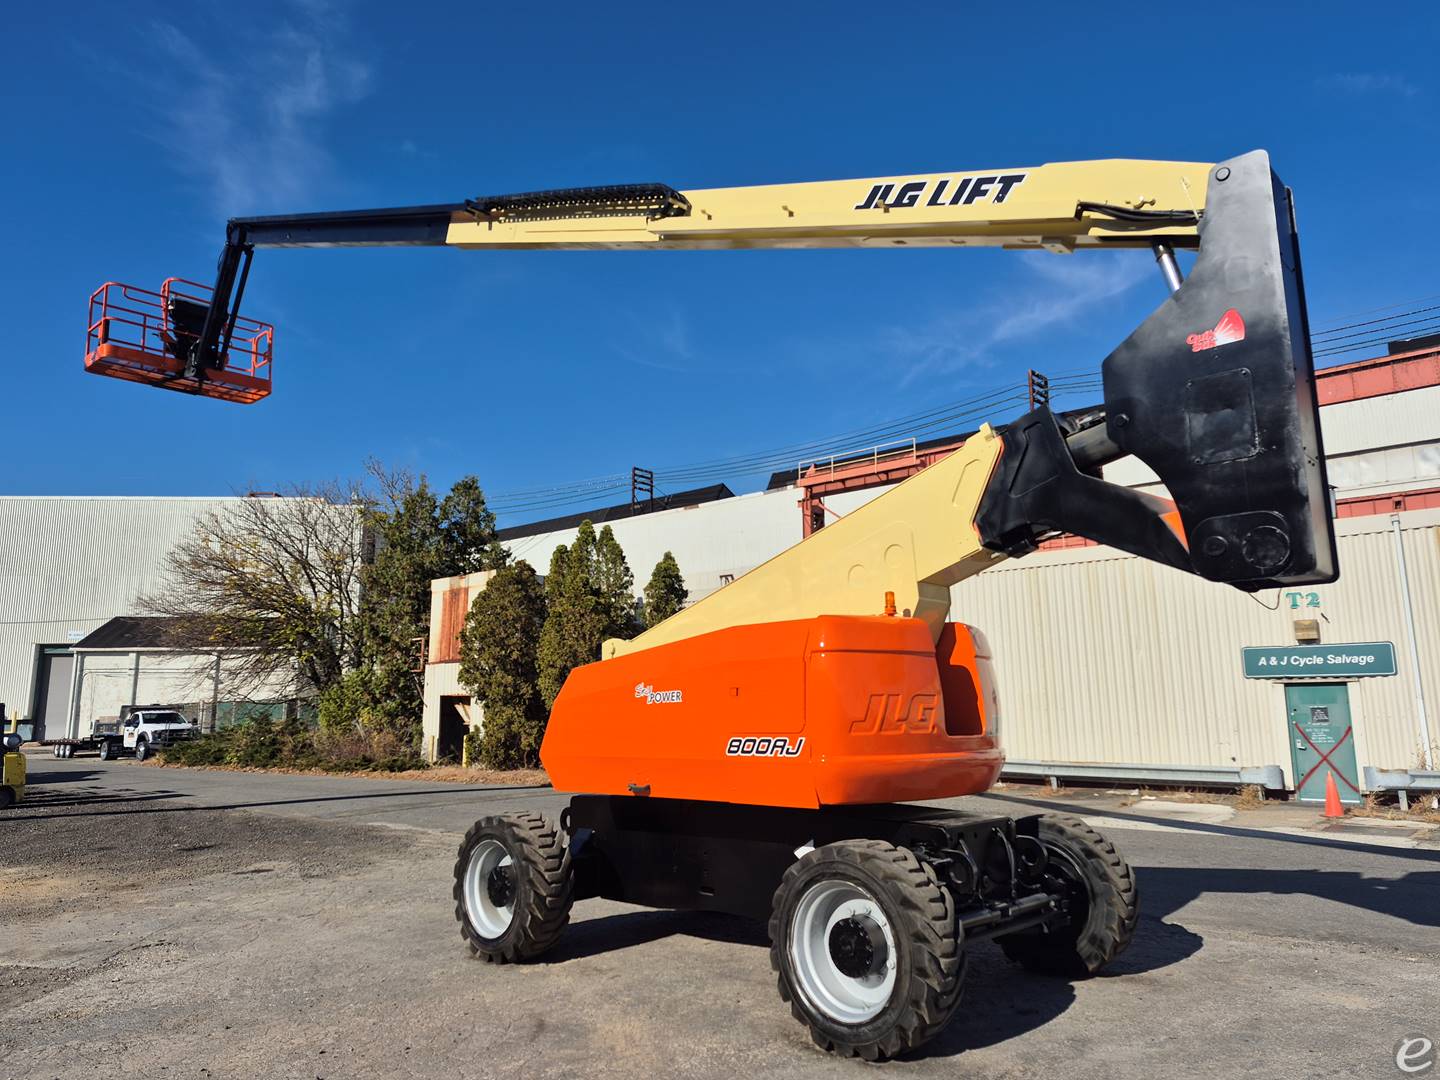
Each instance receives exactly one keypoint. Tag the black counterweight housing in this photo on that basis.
(1215, 392)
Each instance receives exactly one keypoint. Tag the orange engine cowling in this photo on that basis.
(815, 712)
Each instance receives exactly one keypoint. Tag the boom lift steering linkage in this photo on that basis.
(755, 752)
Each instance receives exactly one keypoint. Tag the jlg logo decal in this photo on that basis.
(767, 746)
(885, 715)
(946, 192)
(1231, 327)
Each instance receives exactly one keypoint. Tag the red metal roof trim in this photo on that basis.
(1377, 377)
(1368, 505)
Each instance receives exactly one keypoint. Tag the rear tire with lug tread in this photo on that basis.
(513, 887)
(105, 751)
(1103, 888)
(866, 949)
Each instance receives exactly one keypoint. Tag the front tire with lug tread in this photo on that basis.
(1104, 898)
(142, 749)
(866, 947)
(513, 887)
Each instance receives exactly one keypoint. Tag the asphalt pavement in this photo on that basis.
(193, 922)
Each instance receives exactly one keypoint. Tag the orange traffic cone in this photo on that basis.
(1333, 808)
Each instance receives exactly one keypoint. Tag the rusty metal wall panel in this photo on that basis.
(454, 606)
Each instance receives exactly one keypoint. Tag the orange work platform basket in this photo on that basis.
(149, 337)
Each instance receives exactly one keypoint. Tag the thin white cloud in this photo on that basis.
(1370, 82)
(247, 119)
(1059, 291)
(663, 344)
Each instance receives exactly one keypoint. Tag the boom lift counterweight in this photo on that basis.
(759, 751)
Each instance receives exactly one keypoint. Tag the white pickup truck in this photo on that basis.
(145, 729)
(140, 730)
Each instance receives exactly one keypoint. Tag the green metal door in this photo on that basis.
(1322, 741)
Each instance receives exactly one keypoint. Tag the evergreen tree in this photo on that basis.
(395, 603)
(576, 622)
(467, 530)
(615, 587)
(665, 593)
(500, 666)
(418, 538)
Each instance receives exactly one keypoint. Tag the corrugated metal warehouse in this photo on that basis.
(1106, 658)
(67, 566)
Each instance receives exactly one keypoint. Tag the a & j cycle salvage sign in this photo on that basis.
(1322, 661)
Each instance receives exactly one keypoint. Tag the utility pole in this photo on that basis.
(642, 482)
(1037, 387)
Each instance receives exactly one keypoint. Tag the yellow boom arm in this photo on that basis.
(1213, 391)
(1059, 207)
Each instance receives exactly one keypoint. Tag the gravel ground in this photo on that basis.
(146, 935)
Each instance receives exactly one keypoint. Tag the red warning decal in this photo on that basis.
(1231, 327)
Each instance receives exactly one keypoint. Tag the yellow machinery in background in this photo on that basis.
(12, 765)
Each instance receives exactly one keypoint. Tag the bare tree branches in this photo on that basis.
(274, 583)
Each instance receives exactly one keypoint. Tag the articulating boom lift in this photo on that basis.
(755, 753)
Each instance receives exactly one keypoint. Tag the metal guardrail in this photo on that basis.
(1401, 781)
(1270, 777)
(871, 456)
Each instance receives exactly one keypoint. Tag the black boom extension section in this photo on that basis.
(400, 226)
(1215, 392)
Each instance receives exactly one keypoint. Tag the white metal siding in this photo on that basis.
(730, 536)
(69, 564)
(109, 679)
(1102, 657)
(441, 680)
(1387, 420)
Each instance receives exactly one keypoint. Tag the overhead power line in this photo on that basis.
(1406, 319)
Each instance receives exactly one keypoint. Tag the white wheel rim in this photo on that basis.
(489, 918)
(846, 998)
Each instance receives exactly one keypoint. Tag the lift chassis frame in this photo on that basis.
(725, 857)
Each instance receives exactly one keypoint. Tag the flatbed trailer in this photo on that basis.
(68, 748)
(153, 727)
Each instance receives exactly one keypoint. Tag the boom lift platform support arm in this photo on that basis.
(755, 753)
(1214, 391)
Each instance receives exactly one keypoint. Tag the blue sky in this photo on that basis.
(134, 130)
